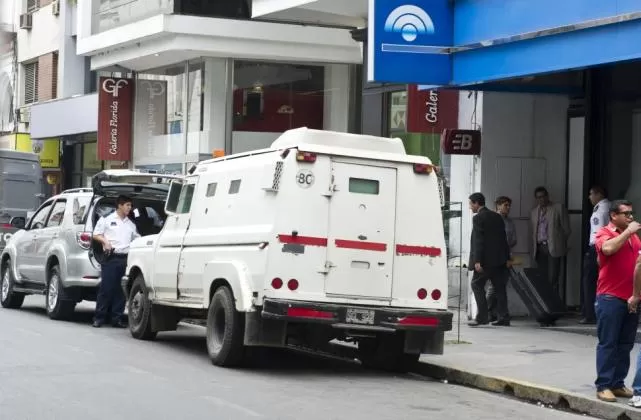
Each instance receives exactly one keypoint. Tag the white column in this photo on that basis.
(336, 109)
(71, 67)
(217, 106)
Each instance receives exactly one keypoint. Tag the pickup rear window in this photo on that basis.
(363, 186)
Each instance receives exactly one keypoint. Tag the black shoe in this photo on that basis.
(97, 324)
(586, 321)
(502, 323)
(477, 323)
(120, 324)
(493, 319)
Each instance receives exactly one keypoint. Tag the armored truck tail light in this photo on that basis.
(423, 168)
(422, 294)
(436, 294)
(306, 157)
(277, 283)
(292, 284)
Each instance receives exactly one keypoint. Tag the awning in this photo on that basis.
(64, 117)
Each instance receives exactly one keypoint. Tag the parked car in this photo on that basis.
(51, 255)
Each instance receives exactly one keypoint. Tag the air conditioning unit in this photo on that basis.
(26, 21)
(55, 7)
(24, 115)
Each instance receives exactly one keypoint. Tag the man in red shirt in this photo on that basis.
(617, 247)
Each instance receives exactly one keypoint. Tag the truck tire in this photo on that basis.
(59, 306)
(140, 311)
(225, 330)
(8, 298)
(386, 353)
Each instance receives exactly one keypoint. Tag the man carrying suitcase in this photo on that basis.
(617, 246)
(489, 254)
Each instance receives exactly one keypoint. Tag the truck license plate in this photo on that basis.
(359, 316)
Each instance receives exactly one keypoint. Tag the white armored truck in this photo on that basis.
(324, 236)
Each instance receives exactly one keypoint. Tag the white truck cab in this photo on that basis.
(324, 236)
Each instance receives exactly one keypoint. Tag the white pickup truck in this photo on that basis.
(324, 236)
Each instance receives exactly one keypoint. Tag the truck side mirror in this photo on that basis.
(18, 222)
(172, 197)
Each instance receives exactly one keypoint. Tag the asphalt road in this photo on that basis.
(68, 370)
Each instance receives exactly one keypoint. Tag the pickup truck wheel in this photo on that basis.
(140, 311)
(386, 353)
(225, 330)
(8, 298)
(59, 307)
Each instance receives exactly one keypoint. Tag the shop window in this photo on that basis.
(270, 98)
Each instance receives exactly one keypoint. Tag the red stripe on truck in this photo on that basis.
(429, 251)
(302, 240)
(365, 246)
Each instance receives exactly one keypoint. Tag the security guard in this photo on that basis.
(115, 232)
(600, 217)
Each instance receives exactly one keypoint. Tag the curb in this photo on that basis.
(556, 398)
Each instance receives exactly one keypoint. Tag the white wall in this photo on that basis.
(71, 67)
(525, 126)
(43, 38)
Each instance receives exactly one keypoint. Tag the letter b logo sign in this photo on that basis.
(464, 142)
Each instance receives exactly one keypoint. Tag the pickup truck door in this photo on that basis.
(26, 260)
(44, 239)
(167, 258)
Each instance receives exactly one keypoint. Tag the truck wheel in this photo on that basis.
(9, 299)
(59, 307)
(386, 353)
(224, 330)
(140, 311)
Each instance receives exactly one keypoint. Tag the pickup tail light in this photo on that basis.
(84, 239)
(423, 168)
(306, 157)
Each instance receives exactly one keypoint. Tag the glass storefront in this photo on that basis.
(270, 98)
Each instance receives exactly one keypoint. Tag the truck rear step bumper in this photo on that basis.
(384, 319)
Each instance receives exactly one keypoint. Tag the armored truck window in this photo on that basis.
(363, 186)
(234, 187)
(211, 189)
(186, 195)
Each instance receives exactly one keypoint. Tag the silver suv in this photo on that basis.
(52, 255)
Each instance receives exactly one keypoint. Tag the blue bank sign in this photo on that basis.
(409, 41)
(467, 42)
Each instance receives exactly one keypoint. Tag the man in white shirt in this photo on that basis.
(600, 217)
(115, 232)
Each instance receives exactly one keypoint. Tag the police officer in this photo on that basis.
(115, 232)
(600, 217)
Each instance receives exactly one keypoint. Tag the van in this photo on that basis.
(324, 236)
(20, 190)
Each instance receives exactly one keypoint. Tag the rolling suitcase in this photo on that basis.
(537, 294)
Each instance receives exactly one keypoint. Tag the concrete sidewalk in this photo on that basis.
(528, 362)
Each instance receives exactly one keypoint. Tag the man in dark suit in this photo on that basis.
(489, 255)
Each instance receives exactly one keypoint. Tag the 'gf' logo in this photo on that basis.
(112, 86)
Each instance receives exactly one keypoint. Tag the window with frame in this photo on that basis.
(40, 217)
(57, 214)
(211, 189)
(31, 83)
(32, 5)
(186, 196)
